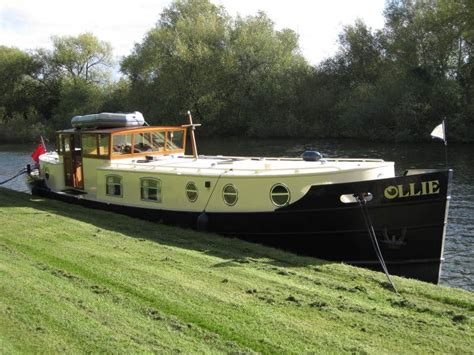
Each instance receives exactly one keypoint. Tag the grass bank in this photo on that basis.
(79, 280)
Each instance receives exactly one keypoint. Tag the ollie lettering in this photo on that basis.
(412, 189)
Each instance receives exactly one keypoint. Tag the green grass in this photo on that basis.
(79, 280)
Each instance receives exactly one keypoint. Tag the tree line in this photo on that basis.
(242, 77)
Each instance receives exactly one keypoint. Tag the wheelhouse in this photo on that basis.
(119, 143)
(79, 148)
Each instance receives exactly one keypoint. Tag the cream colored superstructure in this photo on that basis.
(253, 178)
(89, 171)
(52, 170)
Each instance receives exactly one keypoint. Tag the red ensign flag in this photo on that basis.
(38, 152)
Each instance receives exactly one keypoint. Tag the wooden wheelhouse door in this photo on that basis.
(72, 157)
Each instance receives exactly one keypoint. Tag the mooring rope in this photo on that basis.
(373, 238)
(20, 172)
(212, 192)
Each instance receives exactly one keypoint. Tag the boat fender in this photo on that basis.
(202, 222)
(311, 155)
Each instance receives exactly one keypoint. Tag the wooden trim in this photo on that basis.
(109, 143)
(97, 148)
(132, 130)
(97, 145)
(185, 135)
(165, 151)
(132, 155)
(110, 146)
(103, 157)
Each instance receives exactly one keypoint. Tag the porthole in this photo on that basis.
(280, 195)
(191, 191)
(230, 194)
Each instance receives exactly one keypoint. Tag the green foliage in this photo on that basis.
(41, 91)
(77, 97)
(74, 280)
(82, 57)
(228, 72)
(19, 130)
(400, 82)
(242, 77)
(179, 65)
(17, 84)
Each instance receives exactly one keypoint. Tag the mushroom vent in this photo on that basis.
(311, 155)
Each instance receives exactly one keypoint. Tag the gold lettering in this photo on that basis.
(427, 188)
(390, 192)
(423, 187)
(412, 190)
(401, 192)
(433, 187)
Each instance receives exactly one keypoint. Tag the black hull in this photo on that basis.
(410, 227)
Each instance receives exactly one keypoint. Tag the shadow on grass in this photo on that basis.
(235, 251)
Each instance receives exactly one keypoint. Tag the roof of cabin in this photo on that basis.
(120, 129)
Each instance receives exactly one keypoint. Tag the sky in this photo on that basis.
(29, 24)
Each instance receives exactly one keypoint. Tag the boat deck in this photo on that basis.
(244, 166)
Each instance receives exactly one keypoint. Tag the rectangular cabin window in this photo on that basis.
(158, 141)
(121, 144)
(89, 144)
(150, 189)
(58, 144)
(103, 145)
(174, 140)
(66, 144)
(113, 185)
(148, 142)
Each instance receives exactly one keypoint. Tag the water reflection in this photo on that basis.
(458, 268)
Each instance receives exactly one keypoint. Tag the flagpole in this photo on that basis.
(42, 142)
(445, 144)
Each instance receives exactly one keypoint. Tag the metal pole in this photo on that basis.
(445, 143)
(193, 137)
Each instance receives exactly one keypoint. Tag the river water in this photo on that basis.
(458, 268)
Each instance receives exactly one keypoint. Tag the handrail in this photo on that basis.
(284, 158)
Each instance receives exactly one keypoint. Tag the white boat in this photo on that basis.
(311, 205)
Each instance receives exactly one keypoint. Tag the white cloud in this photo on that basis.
(29, 24)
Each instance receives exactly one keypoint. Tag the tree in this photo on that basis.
(361, 51)
(83, 57)
(18, 71)
(180, 64)
(232, 74)
(431, 42)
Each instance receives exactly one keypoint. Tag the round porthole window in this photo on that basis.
(230, 194)
(280, 195)
(191, 191)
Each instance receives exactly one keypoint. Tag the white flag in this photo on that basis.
(439, 132)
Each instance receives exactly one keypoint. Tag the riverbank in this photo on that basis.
(80, 280)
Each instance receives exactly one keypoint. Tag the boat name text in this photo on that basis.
(413, 189)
